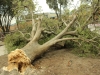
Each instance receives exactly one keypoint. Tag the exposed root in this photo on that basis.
(18, 60)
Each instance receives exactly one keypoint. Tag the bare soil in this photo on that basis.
(63, 62)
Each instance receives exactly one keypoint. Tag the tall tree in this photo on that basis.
(10, 8)
(57, 5)
(5, 15)
(53, 5)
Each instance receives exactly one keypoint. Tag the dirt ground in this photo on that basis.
(63, 62)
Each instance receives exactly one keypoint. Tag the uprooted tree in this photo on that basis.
(20, 59)
(23, 57)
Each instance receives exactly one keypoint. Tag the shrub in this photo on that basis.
(13, 41)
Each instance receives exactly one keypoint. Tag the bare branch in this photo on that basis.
(64, 39)
(64, 22)
(33, 29)
(28, 39)
(49, 32)
(74, 38)
(71, 32)
(71, 22)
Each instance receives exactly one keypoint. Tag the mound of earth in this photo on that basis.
(63, 62)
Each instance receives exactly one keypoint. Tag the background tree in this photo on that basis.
(5, 15)
(57, 5)
(11, 8)
(53, 5)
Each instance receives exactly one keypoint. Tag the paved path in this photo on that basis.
(3, 50)
(1, 43)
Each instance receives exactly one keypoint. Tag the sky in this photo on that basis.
(43, 7)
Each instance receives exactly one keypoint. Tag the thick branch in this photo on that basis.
(65, 30)
(54, 40)
(38, 32)
(64, 39)
(64, 22)
(33, 28)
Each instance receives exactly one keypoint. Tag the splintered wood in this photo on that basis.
(18, 60)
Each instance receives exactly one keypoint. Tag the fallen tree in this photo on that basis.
(21, 59)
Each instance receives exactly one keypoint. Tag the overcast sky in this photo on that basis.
(43, 7)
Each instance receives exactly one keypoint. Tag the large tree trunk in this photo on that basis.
(20, 59)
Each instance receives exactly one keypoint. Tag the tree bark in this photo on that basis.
(20, 59)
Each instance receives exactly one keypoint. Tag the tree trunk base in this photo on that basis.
(18, 60)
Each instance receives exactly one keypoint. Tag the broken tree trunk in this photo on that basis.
(20, 59)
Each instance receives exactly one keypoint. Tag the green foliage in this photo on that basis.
(88, 45)
(25, 26)
(49, 25)
(13, 41)
(84, 11)
(70, 44)
(54, 4)
(45, 39)
(17, 6)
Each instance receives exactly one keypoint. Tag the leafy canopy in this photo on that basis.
(16, 6)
